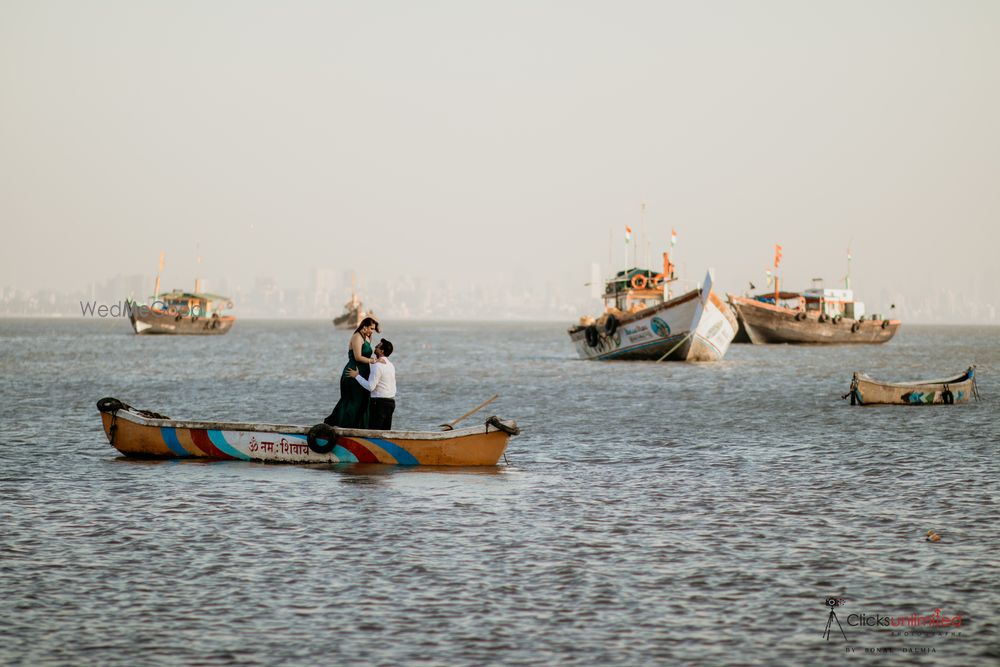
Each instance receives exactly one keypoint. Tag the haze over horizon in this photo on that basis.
(497, 144)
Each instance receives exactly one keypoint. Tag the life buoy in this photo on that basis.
(658, 280)
(319, 432)
(855, 327)
(800, 316)
(591, 335)
(639, 281)
(611, 325)
(885, 324)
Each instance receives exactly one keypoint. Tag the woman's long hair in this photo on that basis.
(366, 322)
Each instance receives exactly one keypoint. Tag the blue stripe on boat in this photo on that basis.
(224, 447)
(402, 456)
(343, 455)
(170, 437)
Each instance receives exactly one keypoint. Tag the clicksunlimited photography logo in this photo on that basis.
(832, 603)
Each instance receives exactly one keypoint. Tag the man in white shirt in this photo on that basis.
(381, 383)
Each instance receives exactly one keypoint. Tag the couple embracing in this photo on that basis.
(368, 383)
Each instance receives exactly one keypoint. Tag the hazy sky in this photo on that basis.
(493, 140)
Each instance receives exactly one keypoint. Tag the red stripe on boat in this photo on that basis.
(200, 437)
(362, 453)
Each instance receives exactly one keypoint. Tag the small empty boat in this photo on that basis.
(866, 390)
(144, 434)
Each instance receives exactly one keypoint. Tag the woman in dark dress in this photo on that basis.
(351, 410)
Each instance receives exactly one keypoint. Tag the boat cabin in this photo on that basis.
(197, 304)
(833, 302)
(634, 289)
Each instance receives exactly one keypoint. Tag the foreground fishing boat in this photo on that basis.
(642, 321)
(868, 391)
(144, 434)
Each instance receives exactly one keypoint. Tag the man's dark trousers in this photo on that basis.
(380, 413)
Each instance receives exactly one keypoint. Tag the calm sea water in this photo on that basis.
(650, 513)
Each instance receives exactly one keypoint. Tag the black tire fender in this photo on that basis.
(800, 316)
(319, 432)
(109, 405)
(593, 338)
(836, 319)
(611, 325)
(885, 324)
(856, 327)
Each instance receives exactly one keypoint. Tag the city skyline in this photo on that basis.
(407, 297)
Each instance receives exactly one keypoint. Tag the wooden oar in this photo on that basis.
(451, 425)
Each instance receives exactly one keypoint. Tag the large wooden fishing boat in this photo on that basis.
(182, 313)
(814, 316)
(144, 434)
(353, 313)
(644, 321)
(866, 390)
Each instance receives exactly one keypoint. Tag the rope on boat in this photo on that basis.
(495, 422)
(671, 350)
(853, 392)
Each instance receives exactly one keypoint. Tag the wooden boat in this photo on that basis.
(144, 434)
(643, 321)
(353, 312)
(815, 316)
(868, 391)
(182, 313)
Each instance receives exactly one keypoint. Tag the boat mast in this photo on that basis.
(847, 278)
(777, 261)
(197, 281)
(156, 285)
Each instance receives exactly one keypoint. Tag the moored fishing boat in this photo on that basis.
(145, 434)
(814, 316)
(643, 321)
(866, 390)
(353, 312)
(183, 313)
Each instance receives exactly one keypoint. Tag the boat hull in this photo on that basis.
(686, 328)
(139, 436)
(152, 322)
(866, 390)
(765, 323)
